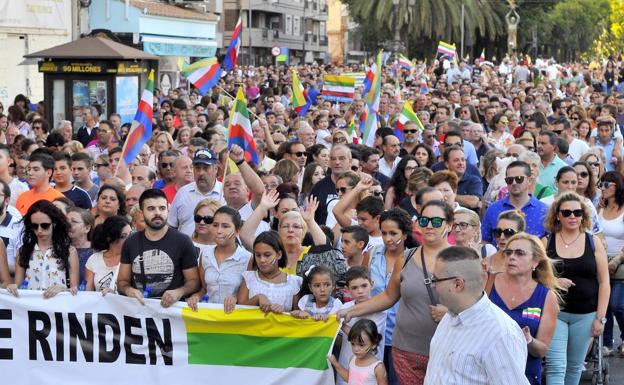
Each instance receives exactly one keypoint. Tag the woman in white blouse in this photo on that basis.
(221, 266)
(103, 265)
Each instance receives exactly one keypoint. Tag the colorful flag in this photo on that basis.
(141, 129)
(405, 62)
(446, 49)
(203, 74)
(352, 132)
(482, 57)
(239, 129)
(368, 79)
(534, 313)
(338, 88)
(297, 97)
(372, 105)
(407, 115)
(231, 56)
(423, 85)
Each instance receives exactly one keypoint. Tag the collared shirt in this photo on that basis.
(534, 215)
(223, 280)
(463, 354)
(470, 185)
(387, 169)
(547, 174)
(183, 206)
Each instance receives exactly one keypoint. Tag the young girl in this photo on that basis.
(267, 286)
(320, 304)
(364, 367)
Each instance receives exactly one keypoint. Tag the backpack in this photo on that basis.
(327, 256)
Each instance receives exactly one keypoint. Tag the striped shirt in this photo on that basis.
(481, 345)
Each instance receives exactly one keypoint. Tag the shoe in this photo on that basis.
(607, 351)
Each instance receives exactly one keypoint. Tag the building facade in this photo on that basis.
(297, 27)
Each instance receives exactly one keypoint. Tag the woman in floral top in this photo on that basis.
(46, 260)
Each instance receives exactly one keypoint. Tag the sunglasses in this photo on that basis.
(434, 279)
(566, 213)
(298, 154)
(518, 179)
(507, 232)
(44, 226)
(340, 140)
(207, 219)
(98, 165)
(355, 168)
(574, 119)
(583, 174)
(410, 131)
(377, 193)
(436, 222)
(606, 184)
(341, 190)
(518, 252)
(166, 165)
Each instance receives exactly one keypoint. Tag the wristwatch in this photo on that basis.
(602, 320)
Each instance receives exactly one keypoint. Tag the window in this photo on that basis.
(288, 28)
(297, 26)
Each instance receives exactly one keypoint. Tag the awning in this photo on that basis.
(178, 46)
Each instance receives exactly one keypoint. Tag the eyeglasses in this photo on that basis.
(566, 213)
(583, 174)
(355, 168)
(518, 179)
(518, 252)
(293, 226)
(12, 165)
(606, 184)
(410, 131)
(507, 232)
(340, 140)
(434, 279)
(436, 222)
(206, 219)
(98, 165)
(462, 225)
(342, 190)
(298, 154)
(574, 118)
(166, 165)
(44, 226)
(377, 193)
(594, 164)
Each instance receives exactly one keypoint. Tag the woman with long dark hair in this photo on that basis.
(103, 265)
(397, 186)
(46, 260)
(424, 155)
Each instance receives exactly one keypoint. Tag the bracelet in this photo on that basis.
(239, 163)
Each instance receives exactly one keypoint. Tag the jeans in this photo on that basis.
(616, 308)
(565, 357)
(392, 377)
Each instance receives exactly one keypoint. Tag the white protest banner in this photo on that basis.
(107, 340)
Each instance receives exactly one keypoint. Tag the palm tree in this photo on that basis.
(432, 20)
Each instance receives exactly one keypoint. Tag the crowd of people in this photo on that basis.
(510, 185)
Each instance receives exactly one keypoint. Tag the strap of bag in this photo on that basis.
(489, 284)
(427, 278)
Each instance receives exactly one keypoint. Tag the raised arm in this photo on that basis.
(308, 216)
(251, 178)
(247, 234)
(341, 209)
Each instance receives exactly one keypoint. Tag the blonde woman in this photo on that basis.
(509, 224)
(203, 215)
(162, 142)
(287, 170)
(527, 290)
(581, 264)
(467, 230)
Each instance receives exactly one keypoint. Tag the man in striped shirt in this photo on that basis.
(475, 342)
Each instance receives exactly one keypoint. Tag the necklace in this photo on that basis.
(566, 244)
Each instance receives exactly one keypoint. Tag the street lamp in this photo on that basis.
(397, 36)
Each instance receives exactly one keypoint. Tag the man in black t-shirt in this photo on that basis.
(159, 262)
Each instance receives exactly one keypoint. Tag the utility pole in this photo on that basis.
(249, 32)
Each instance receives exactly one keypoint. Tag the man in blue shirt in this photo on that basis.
(470, 187)
(518, 176)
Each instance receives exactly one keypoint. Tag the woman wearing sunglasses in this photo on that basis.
(581, 265)
(46, 261)
(409, 281)
(527, 290)
(509, 223)
(397, 186)
(203, 236)
(596, 159)
(612, 219)
(587, 185)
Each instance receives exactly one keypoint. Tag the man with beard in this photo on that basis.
(370, 164)
(205, 186)
(158, 262)
(410, 132)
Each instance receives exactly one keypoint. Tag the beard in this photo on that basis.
(152, 224)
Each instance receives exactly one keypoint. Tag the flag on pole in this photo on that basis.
(239, 129)
(405, 62)
(423, 85)
(368, 80)
(372, 105)
(203, 74)
(338, 88)
(446, 49)
(407, 115)
(298, 99)
(352, 132)
(482, 57)
(141, 129)
(231, 56)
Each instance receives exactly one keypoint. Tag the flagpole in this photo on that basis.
(230, 95)
(225, 170)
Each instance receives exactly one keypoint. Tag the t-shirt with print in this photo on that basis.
(163, 260)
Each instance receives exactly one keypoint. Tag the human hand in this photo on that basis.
(277, 309)
(311, 205)
(134, 293)
(229, 304)
(565, 283)
(170, 297)
(52, 291)
(107, 290)
(597, 328)
(12, 288)
(192, 302)
(73, 290)
(365, 183)
(527, 334)
(237, 154)
(300, 314)
(320, 317)
(437, 312)
(614, 264)
(332, 359)
(345, 315)
(264, 303)
(269, 199)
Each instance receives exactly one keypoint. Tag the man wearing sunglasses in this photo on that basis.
(518, 175)
(410, 133)
(182, 175)
(487, 346)
(165, 168)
